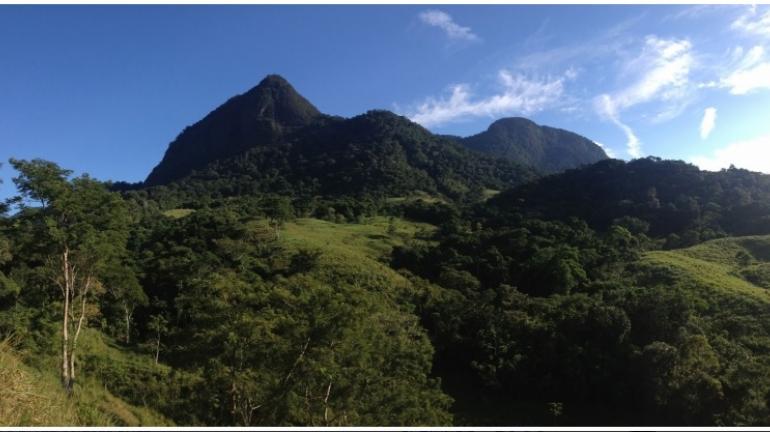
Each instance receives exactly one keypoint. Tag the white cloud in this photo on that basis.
(753, 155)
(744, 72)
(518, 94)
(748, 73)
(606, 108)
(444, 21)
(609, 151)
(753, 22)
(708, 122)
(745, 81)
(660, 73)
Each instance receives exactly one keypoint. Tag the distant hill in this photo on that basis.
(543, 148)
(668, 197)
(271, 139)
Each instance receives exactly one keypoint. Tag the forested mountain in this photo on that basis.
(271, 139)
(298, 269)
(544, 148)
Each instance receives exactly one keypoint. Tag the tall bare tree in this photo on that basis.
(83, 229)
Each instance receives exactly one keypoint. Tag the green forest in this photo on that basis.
(365, 272)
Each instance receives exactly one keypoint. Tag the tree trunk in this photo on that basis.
(297, 362)
(128, 322)
(81, 318)
(326, 403)
(67, 289)
(157, 347)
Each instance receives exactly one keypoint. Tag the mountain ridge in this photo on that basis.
(272, 126)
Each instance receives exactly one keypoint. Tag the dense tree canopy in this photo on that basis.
(666, 199)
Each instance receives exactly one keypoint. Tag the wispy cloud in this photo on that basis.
(752, 154)
(659, 73)
(444, 21)
(607, 109)
(753, 22)
(608, 42)
(708, 122)
(518, 94)
(693, 12)
(662, 72)
(749, 73)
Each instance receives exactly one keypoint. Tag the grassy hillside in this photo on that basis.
(28, 397)
(177, 213)
(358, 253)
(33, 397)
(358, 242)
(721, 267)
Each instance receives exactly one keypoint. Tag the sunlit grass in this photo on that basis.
(29, 397)
(34, 397)
(417, 195)
(178, 213)
(358, 253)
(714, 265)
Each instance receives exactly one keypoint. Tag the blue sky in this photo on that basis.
(104, 89)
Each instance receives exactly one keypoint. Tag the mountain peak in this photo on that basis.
(547, 149)
(259, 117)
(274, 80)
(512, 121)
(276, 99)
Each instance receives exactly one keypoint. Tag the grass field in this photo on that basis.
(178, 213)
(417, 195)
(370, 239)
(715, 265)
(356, 252)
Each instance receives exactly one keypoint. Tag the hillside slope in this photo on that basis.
(28, 398)
(735, 266)
(34, 397)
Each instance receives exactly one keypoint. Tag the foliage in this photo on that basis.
(530, 315)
